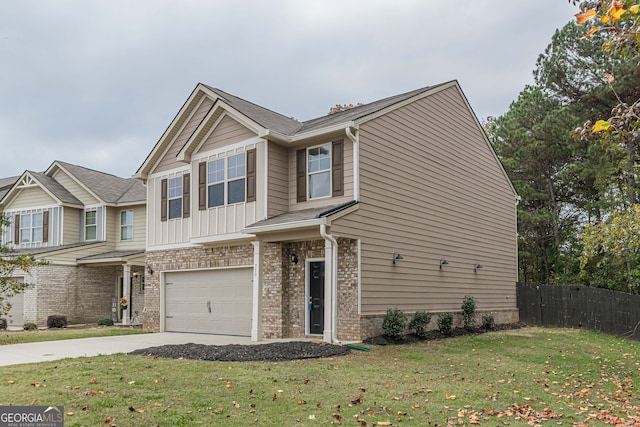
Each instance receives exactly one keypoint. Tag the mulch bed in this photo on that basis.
(292, 350)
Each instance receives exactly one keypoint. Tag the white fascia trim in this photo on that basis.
(76, 180)
(34, 208)
(102, 261)
(205, 156)
(337, 128)
(171, 173)
(182, 155)
(231, 237)
(285, 226)
(174, 246)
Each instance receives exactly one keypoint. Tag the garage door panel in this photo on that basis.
(209, 301)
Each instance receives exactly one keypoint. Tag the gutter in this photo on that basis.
(355, 139)
(334, 281)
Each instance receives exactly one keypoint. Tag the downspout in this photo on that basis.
(355, 139)
(334, 281)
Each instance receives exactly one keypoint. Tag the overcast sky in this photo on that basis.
(96, 82)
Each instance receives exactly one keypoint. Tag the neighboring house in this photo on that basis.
(264, 226)
(89, 227)
(6, 184)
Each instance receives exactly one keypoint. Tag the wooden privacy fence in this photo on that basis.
(565, 306)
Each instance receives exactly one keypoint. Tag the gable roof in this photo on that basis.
(274, 125)
(109, 188)
(6, 184)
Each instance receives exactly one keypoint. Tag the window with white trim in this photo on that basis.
(226, 180)
(175, 197)
(126, 225)
(319, 171)
(91, 224)
(31, 227)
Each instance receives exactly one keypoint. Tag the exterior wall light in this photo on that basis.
(477, 267)
(443, 262)
(396, 257)
(149, 269)
(294, 258)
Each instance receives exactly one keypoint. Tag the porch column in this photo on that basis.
(126, 279)
(258, 264)
(327, 334)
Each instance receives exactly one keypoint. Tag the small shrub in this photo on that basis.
(57, 321)
(394, 323)
(420, 322)
(105, 322)
(445, 323)
(488, 322)
(29, 326)
(3, 324)
(469, 312)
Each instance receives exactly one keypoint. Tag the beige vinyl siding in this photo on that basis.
(74, 188)
(227, 132)
(325, 201)
(30, 197)
(277, 179)
(70, 256)
(71, 220)
(139, 228)
(442, 196)
(168, 160)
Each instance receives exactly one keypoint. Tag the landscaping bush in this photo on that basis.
(394, 323)
(57, 321)
(488, 322)
(105, 322)
(469, 312)
(445, 323)
(3, 324)
(29, 326)
(420, 322)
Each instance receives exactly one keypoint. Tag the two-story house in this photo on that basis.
(265, 226)
(89, 228)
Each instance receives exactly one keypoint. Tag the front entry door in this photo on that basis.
(316, 297)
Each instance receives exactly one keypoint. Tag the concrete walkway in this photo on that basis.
(14, 354)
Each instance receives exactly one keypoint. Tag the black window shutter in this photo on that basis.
(16, 233)
(163, 200)
(251, 175)
(45, 226)
(186, 195)
(337, 168)
(301, 175)
(202, 186)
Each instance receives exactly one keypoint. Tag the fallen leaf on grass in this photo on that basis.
(450, 396)
(93, 381)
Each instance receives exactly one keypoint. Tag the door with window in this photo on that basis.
(315, 294)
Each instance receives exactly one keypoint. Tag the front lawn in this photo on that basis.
(530, 376)
(19, 337)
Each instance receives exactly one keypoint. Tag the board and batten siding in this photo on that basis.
(168, 160)
(443, 195)
(171, 231)
(347, 164)
(277, 179)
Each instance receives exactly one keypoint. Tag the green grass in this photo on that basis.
(19, 337)
(524, 377)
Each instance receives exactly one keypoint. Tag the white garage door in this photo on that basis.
(15, 318)
(209, 301)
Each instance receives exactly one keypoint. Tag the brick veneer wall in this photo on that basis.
(83, 294)
(284, 305)
(185, 259)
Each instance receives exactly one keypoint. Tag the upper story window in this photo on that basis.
(175, 197)
(320, 171)
(319, 168)
(31, 228)
(126, 225)
(226, 180)
(91, 224)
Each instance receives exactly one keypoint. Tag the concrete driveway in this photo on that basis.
(14, 354)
